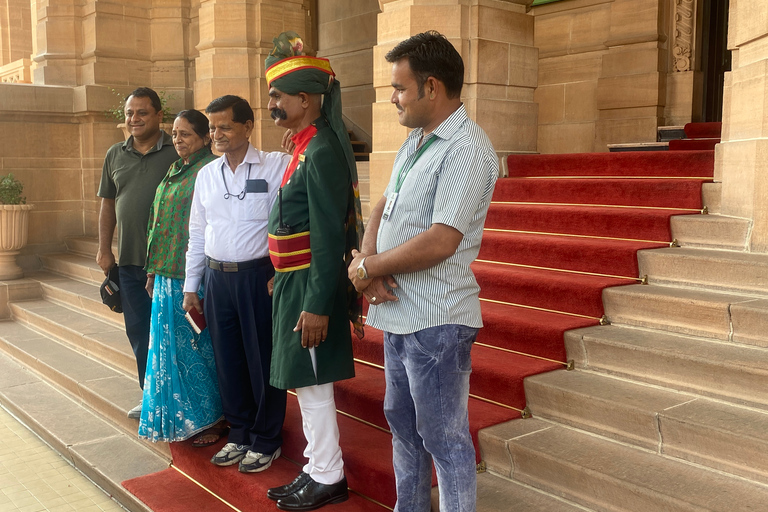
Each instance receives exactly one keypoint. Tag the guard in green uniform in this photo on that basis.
(313, 228)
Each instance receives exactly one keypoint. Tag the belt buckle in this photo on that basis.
(228, 266)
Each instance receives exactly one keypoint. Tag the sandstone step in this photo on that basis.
(102, 452)
(495, 494)
(716, 434)
(106, 390)
(83, 245)
(707, 367)
(73, 265)
(668, 133)
(750, 322)
(729, 271)
(90, 336)
(609, 476)
(76, 294)
(711, 196)
(685, 311)
(15, 290)
(612, 407)
(712, 231)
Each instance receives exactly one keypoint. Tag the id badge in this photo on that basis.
(389, 206)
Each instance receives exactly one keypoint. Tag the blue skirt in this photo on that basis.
(181, 393)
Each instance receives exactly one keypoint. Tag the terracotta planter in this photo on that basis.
(14, 226)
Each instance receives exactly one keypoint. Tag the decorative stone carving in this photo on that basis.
(685, 19)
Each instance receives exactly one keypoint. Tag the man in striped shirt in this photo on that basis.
(414, 271)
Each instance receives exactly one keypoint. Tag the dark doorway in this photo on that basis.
(716, 57)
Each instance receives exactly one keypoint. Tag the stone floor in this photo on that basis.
(33, 477)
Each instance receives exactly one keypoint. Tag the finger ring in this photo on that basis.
(373, 299)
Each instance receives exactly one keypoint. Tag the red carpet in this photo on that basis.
(698, 136)
(625, 164)
(703, 130)
(542, 268)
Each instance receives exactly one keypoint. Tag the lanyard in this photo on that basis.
(241, 195)
(400, 176)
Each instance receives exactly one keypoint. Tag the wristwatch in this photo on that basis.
(361, 272)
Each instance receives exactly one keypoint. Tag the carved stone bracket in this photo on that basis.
(685, 23)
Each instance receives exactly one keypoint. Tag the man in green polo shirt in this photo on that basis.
(132, 171)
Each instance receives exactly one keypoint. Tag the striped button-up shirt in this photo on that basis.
(450, 183)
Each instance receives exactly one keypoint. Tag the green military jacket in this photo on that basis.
(315, 200)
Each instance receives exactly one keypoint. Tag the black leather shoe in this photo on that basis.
(286, 490)
(314, 495)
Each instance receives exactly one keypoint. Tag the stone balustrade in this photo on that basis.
(17, 72)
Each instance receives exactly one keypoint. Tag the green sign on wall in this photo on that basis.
(542, 2)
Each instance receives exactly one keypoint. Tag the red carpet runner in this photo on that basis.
(560, 229)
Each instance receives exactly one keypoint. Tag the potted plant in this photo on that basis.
(14, 226)
(117, 112)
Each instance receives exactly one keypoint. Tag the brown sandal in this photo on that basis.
(216, 431)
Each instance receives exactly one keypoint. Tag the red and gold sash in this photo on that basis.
(290, 252)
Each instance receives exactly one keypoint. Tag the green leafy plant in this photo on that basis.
(117, 111)
(10, 190)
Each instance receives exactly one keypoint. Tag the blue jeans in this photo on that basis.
(137, 312)
(427, 375)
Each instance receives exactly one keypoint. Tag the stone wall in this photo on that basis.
(612, 71)
(55, 147)
(571, 40)
(742, 159)
(346, 35)
(495, 39)
(16, 38)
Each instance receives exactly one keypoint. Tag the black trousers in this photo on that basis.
(238, 310)
(137, 309)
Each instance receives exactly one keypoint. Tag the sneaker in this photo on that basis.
(135, 413)
(230, 454)
(255, 462)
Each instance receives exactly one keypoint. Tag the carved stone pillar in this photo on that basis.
(495, 39)
(235, 38)
(55, 49)
(742, 158)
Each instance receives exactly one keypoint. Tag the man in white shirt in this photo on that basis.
(228, 252)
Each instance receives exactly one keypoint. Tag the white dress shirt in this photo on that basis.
(231, 229)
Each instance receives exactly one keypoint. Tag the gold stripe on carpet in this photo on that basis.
(206, 489)
(521, 353)
(596, 237)
(596, 274)
(525, 306)
(368, 363)
(371, 500)
(705, 178)
(360, 420)
(523, 412)
(527, 203)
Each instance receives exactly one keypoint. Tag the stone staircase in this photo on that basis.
(667, 406)
(69, 372)
(665, 410)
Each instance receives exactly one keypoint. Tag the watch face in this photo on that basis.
(360, 273)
